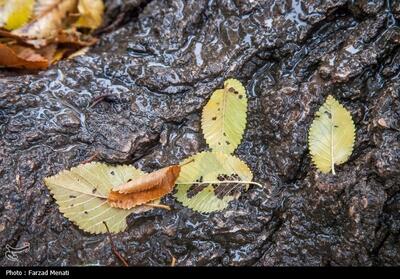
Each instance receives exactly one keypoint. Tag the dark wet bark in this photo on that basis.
(157, 70)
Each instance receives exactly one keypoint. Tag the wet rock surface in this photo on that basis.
(136, 98)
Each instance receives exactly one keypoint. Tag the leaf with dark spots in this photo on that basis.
(89, 185)
(224, 117)
(208, 168)
(329, 146)
(232, 189)
(194, 189)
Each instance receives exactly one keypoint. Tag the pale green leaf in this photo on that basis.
(224, 117)
(15, 13)
(211, 166)
(82, 194)
(331, 136)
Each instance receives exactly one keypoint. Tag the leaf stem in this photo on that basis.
(186, 163)
(222, 182)
(116, 253)
(332, 144)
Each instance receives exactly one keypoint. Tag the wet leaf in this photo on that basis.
(15, 13)
(145, 188)
(48, 25)
(15, 56)
(331, 136)
(82, 195)
(211, 166)
(224, 117)
(91, 13)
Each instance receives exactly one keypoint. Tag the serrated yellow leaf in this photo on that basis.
(91, 13)
(16, 13)
(82, 194)
(331, 136)
(211, 166)
(224, 117)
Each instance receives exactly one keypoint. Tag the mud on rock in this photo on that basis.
(150, 76)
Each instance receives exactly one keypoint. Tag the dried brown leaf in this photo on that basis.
(144, 189)
(16, 56)
(74, 38)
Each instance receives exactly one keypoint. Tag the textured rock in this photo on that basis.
(136, 98)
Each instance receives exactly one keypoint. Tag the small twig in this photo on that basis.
(173, 262)
(116, 253)
(99, 99)
(158, 206)
(91, 158)
(113, 25)
(18, 182)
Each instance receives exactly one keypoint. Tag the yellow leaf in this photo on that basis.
(16, 13)
(224, 117)
(213, 167)
(48, 25)
(91, 13)
(331, 136)
(82, 195)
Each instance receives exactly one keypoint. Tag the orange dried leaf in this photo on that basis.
(48, 52)
(146, 188)
(74, 38)
(152, 180)
(15, 56)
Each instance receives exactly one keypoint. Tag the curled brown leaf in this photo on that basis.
(16, 56)
(144, 189)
